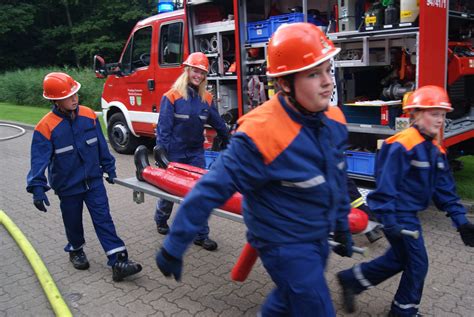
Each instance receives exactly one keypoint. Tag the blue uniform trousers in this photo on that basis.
(298, 272)
(164, 207)
(405, 255)
(97, 203)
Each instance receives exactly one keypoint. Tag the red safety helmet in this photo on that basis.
(57, 86)
(358, 220)
(198, 60)
(428, 97)
(297, 47)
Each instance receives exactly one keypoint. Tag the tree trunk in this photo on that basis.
(69, 22)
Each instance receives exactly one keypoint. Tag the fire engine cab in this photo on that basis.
(388, 48)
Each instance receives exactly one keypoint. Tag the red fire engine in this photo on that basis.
(388, 48)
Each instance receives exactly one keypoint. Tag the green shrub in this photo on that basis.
(25, 87)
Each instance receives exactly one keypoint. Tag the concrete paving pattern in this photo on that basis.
(206, 288)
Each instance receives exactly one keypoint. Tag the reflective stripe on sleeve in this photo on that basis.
(315, 181)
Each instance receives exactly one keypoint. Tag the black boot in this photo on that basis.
(79, 260)
(348, 295)
(141, 161)
(206, 244)
(161, 157)
(124, 267)
(163, 228)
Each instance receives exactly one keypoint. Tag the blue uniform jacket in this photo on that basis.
(291, 171)
(180, 129)
(75, 153)
(411, 171)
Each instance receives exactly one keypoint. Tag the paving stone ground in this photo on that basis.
(206, 288)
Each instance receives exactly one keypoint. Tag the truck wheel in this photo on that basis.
(120, 137)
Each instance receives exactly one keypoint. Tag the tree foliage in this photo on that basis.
(66, 32)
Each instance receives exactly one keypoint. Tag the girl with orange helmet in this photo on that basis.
(287, 160)
(68, 141)
(184, 110)
(412, 170)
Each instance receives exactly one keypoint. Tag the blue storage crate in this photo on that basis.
(360, 163)
(258, 31)
(210, 157)
(278, 20)
(370, 114)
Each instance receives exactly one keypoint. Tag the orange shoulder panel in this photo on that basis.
(409, 138)
(336, 114)
(270, 128)
(87, 112)
(439, 146)
(172, 95)
(208, 98)
(47, 124)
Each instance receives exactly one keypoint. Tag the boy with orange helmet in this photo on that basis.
(68, 141)
(287, 160)
(412, 170)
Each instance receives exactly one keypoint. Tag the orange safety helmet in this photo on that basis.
(428, 97)
(198, 60)
(57, 86)
(358, 220)
(297, 47)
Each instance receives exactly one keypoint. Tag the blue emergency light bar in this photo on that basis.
(165, 7)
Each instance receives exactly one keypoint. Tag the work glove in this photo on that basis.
(161, 157)
(169, 265)
(390, 226)
(40, 199)
(224, 142)
(344, 238)
(467, 234)
(110, 178)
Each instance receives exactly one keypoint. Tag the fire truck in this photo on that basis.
(389, 48)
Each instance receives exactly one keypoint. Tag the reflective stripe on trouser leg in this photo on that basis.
(71, 211)
(98, 205)
(298, 272)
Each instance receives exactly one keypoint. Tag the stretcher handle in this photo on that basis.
(414, 234)
(358, 250)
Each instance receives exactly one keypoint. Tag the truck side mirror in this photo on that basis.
(100, 69)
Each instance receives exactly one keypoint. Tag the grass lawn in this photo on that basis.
(29, 115)
(23, 114)
(464, 179)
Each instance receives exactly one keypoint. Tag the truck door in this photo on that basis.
(171, 50)
(139, 80)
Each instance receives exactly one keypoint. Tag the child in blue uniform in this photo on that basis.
(287, 160)
(68, 141)
(184, 110)
(412, 170)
